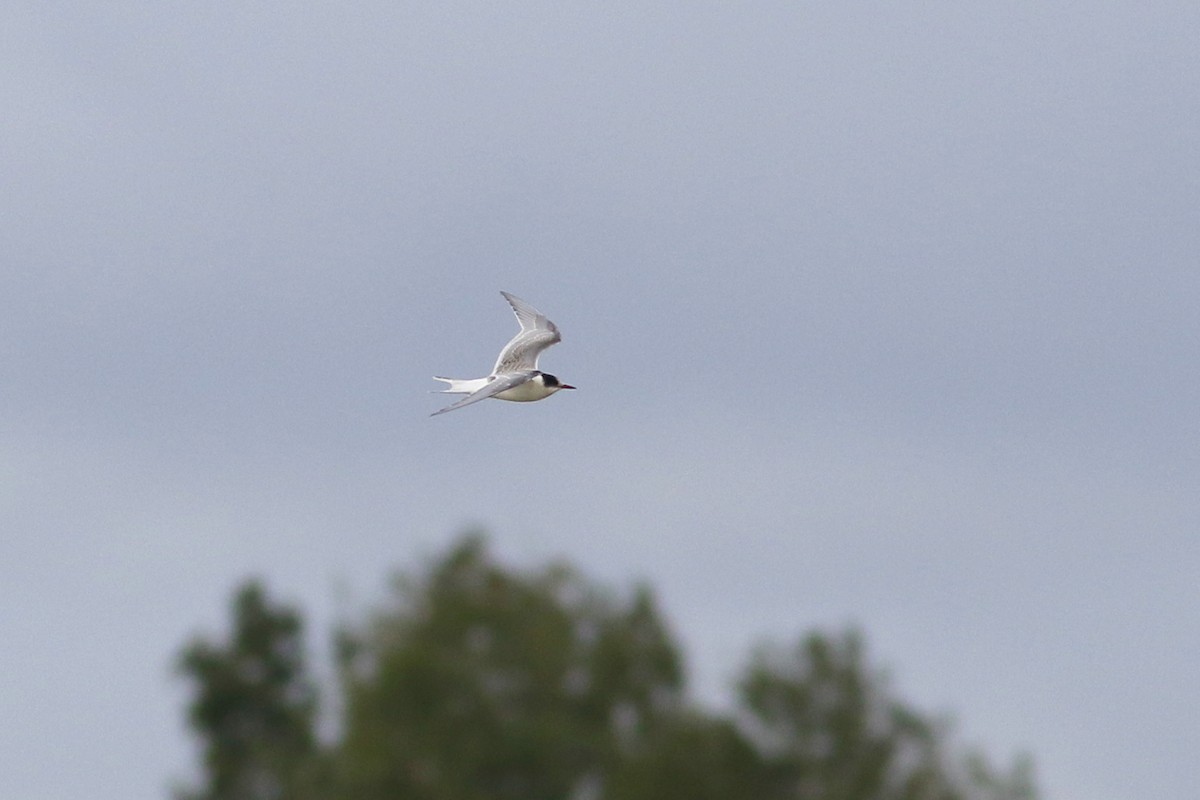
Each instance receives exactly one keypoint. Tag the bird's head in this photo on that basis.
(554, 384)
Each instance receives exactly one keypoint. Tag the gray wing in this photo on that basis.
(537, 333)
(495, 387)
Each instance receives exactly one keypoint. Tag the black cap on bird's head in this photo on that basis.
(552, 382)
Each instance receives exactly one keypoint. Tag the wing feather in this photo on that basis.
(494, 387)
(537, 333)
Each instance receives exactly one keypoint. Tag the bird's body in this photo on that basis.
(515, 376)
(533, 389)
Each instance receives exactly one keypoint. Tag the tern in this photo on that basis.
(515, 376)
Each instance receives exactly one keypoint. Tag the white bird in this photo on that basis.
(515, 376)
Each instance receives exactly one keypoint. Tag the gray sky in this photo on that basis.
(883, 316)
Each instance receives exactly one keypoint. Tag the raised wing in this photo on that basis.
(494, 387)
(537, 333)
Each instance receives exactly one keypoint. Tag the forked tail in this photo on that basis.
(462, 386)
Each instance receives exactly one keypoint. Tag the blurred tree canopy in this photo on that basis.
(479, 682)
(253, 706)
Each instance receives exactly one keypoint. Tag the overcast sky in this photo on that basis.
(884, 315)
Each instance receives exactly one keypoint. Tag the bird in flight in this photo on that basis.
(515, 376)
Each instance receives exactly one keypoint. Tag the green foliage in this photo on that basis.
(694, 757)
(479, 682)
(253, 705)
(482, 683)
(829, 729)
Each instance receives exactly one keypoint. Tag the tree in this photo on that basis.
(829, 729)
(480, 682)
(486, 683)
(694, 756)
(253, 705)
